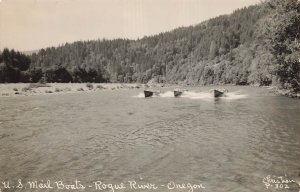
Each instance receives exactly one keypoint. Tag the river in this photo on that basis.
(226, 144)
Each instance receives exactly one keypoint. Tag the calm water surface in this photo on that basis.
(228, 144)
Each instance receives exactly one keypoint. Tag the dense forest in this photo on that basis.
(254, 45)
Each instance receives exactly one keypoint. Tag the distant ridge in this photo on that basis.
(216, 51)
(244, 48)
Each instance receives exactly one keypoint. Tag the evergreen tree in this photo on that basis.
(285, 41)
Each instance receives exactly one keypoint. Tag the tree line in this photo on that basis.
(258, 44)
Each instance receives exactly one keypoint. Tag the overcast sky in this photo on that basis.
(33, 24)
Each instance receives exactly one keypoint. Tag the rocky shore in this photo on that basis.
(29, 89)
(284, 92)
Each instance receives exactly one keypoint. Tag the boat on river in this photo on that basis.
(219, 93)
(149, 93)
(178, 92)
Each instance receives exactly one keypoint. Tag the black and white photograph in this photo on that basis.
(150, 95)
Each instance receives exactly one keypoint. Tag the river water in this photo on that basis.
(226, 144)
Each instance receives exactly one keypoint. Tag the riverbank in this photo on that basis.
(29, 89)
(284, 92)
(288, 93)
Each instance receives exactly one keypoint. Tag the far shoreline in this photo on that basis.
(33, 89)
(39, 89)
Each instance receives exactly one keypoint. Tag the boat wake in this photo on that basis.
(140, 95)
(167, 94)
(198, 95)
(209, 95)
(234, 95)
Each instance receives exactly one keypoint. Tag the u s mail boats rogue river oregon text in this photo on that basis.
(101, 186)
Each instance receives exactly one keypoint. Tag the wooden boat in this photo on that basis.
(177, 93)
(148, 93)
(218, 93)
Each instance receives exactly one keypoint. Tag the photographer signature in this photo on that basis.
(279, 182)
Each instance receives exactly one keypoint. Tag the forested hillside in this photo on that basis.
(230, 49)
(221, 50)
